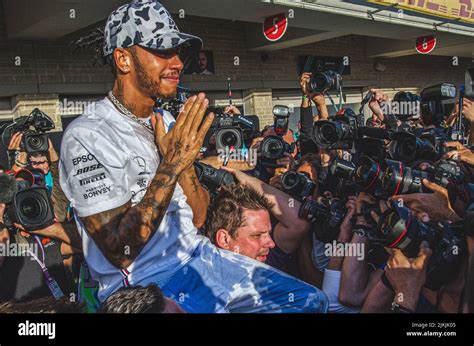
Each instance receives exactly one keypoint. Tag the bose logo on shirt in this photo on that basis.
(89, 169)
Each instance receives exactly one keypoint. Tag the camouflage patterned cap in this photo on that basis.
(145, 23)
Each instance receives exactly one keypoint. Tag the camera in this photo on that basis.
(324, 81)
(33, 127)
(212, 178)
(365, 176)
(407, 105)
(326, 215)
(422, 145)
(273, 148)
(297, 184)
(232, 131)
(28, 203)
(400, 229)
(433, 103)
(338, 133)
(401, 179)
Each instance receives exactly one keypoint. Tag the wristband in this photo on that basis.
(21, 165)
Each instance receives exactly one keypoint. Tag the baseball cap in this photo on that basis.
(147, 24)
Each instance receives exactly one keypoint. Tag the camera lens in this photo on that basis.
(319, 83)
(328, 133)
(290, 180)
(393, 177)
(273, 148)
(36, 142)
(368, 173)
(400, 179)
(230, 138)
(402, 230)
(30, 208)
(325, 133)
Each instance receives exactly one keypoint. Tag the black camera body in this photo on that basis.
(232, 131)
(421, 145)
(212, 178)
(326, 215)
(339, 133)
(400, 229)
(298, 185)
(33, 127)
(273, 148)
(432, 102)
(325, 81)
(32, 208)
(28, 204)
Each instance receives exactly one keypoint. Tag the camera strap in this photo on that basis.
(50, 281)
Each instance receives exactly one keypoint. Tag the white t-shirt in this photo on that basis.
(108, 159)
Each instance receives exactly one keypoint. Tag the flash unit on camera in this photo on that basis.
(281, 111)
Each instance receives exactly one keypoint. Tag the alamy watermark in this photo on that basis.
(228, 154)
(336, 249)
(400, 107)
(8, 249)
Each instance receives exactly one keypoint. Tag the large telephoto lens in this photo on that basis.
(368, 174)
(400, 229)
(400, 179)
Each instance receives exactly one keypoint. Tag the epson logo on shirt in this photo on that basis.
(37, 329)
(89, 169)
(83, 158)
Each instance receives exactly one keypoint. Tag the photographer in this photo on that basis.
(239, 221)
(32, 274)
(307, 119)
(400, 289)
(47, 163)
(357, 277)
(332, 274)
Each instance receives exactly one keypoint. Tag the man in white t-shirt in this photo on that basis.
(122, 168)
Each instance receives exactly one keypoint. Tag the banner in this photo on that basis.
(448, 9)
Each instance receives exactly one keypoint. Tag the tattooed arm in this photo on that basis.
(121, 233)
(129, 228)
(196, 196)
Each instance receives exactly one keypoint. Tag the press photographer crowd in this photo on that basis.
(155, 204)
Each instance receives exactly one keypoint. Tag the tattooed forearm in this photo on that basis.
(197, 197)
(121, 233)
(194, 182)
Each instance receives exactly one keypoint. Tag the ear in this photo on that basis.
(223, 239)
(122, 60)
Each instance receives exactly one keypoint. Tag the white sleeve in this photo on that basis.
(93, 171)
(331, 284)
